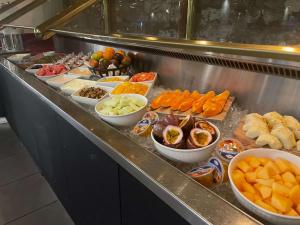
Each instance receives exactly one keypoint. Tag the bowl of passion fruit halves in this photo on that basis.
(186, 140)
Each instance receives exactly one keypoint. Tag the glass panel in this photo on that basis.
(248, 21)
(152, 17)
(89, 21)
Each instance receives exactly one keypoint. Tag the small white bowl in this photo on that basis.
(124, 120)
(149, 85)
(259, 211)
(112, 83)
(147, 81)
(90, 101)
(187, 155)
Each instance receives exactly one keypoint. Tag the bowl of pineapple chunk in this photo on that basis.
(267, 182)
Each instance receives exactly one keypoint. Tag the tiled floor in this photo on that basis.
(25, 196)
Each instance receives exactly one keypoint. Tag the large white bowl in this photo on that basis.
(124, 120)
(187, 155)
(259, 211)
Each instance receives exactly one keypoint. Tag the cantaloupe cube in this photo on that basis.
(289, 177)
(266, 182)
(238, 179)
(268, 200)
(263, 173)
(243, 166)
(283, 165)
(248, 187)
(249, 158)
(263, 161)
(292, 212)
(265, 191)
(281, 203)
(250, 177)
(295, 194)
(298, 179)
(295, 169)
(298, 208)
(272, 168)
(277, 177)
(280, 189)
(257, 196)
(288, 184)
(254, 163)
(265, 206)
(249, 196)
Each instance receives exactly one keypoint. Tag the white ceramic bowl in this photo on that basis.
(187, 155)
(112, 83)
(259, 211)
(124, 120)
(90, 101)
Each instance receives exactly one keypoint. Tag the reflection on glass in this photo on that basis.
(248, 21)
(89, 21)
(152, 17)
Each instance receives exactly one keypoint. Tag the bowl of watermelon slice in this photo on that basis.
(51, 70)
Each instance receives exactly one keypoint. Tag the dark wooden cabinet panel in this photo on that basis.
(92, 178)
(140, 206)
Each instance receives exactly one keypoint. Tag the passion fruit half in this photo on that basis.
(187, 123)
(173, 136)
(204, 125)
(199, 138)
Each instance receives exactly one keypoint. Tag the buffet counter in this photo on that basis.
(181, 196)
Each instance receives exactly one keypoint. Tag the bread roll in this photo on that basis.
(285, 135)
(268, 139)
(274, 118)
(255, 131)
(298, 145)
(253, 116)
(293, 124)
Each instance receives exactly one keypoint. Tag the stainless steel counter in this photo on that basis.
(193, 202)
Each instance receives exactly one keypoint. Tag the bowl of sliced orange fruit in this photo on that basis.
(267, 182)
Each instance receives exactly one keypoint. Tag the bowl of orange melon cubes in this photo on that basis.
(267, 182)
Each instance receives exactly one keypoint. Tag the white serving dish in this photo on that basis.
(149, 81)
(112, 83)
(259, 211)
(90, 101)
(56, 81)
(125, 120)
(33, 71)
(75, 85)
(187, 155)
(82, 68)
(145, 83)
(19, 57)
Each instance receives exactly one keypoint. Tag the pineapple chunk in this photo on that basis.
(295, 194)
(244, 166)
(238, 178)
(248, 187)
(280, 189)
(272, 168)
(289, 177)
(265, 206)
(265, 191)
(298, 208)
(254, 162)
(263, 173)
(250, 177)
(292, 212)
(265, 182)
(249, 196)
(283, 165)
(281, 203)
(263, 161)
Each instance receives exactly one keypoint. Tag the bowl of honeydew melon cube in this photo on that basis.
(267, 182)
(122, 110)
